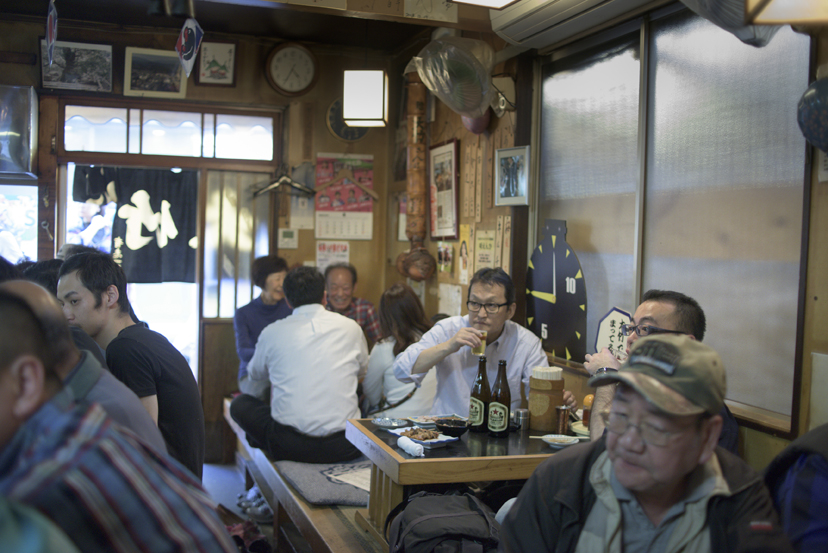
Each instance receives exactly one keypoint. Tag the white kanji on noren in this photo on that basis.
(141, 214)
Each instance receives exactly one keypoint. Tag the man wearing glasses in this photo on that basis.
(660, 312)
(448, 347)
(657, 481)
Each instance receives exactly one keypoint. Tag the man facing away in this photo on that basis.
(491, 304)
(311, 361)
(340, 285)
(80, 371)
(660, 312)
(104, 488)
(92, 291)
(656, 481)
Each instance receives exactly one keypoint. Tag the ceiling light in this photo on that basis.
(491, 4)
(365, 99)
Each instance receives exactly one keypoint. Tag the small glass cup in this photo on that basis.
(481, 349)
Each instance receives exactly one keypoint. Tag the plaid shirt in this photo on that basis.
(104, 488)
(362, 311)
(802, 500)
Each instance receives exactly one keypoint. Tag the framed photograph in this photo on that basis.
(512, 176)
(443, 186)
(77, 66)
(216, 64)
(154, 74)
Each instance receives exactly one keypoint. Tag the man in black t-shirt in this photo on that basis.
(92, 291)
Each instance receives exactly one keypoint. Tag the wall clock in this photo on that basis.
(291, 69)
(556, 295)
(337, 126)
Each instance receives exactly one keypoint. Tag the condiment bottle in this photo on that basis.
(480, 397)
(500, 404)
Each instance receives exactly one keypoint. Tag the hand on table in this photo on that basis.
(603, 358)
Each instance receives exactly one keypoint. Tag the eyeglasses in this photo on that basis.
(490, 307)
(646, 330)
(619, 424)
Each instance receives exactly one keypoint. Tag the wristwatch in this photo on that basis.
(604, 370)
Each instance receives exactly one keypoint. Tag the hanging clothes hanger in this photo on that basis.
(285, 180)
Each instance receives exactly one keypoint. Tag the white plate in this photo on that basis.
(385, 422)
(427, 421)
(557, 441)
(439, 441)
(579, 428)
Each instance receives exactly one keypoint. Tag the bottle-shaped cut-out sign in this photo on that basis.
(556, 299)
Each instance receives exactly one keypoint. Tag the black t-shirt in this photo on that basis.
(150, 365)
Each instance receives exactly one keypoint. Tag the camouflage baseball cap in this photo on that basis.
(677, 374)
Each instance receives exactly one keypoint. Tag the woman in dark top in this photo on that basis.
(268, 273)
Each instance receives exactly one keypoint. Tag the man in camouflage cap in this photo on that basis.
(656, 481)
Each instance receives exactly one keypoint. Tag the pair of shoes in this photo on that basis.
(248, 538)
(249, 498)
(236, 532)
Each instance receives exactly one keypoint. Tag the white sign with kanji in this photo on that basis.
(609, 332)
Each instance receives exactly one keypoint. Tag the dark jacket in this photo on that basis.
(553, 506)
(815, 441)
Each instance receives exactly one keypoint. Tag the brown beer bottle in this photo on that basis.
(480, 396)
(500, 404)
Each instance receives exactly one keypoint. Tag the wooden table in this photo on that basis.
(474, 458)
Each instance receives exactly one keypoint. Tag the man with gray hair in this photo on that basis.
(656, 481)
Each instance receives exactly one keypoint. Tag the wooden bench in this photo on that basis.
(326, 529)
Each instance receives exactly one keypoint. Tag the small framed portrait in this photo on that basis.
(216, 64)
(77, 66)
(154, 74)
(443, 180)
(512, 176)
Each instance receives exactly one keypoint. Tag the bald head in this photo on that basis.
(60, 352)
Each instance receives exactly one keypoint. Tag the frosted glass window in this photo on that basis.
(135, 131)
(721, 193)
(244, 137)
(725, 191)
(171, 133)
(209, 135)
(589, 169)
(95, 129)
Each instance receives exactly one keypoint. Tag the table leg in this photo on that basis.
(385, 494)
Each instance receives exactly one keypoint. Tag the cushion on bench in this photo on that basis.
(319, 485)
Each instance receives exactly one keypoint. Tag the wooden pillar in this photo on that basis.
(47, 177)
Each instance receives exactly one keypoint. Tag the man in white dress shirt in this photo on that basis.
(491, 304)
(311, 359)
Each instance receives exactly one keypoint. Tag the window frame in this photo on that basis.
(749, 416)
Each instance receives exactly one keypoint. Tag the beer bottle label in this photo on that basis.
(498, 417)
(476, 412)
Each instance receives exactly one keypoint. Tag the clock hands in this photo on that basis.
(554, 277)
(545, 296)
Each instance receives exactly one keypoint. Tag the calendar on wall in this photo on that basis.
(345, 197)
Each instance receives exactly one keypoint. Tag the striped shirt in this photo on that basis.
(104, 487)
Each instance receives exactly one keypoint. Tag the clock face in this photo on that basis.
(291, 69)
(337, 126)
(556, 295)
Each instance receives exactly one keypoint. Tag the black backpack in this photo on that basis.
(429, 522)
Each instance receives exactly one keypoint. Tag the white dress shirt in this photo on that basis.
(312, 358)
(520, 348)
(381, 380)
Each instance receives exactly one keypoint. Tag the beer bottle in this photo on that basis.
(500, 404)
(480, 395)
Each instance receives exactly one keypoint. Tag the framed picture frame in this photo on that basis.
(443, 178)
(216, 65)
(512, 176)
(154, 73)
(77, 66)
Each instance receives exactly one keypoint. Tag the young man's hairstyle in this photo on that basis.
(494, 276)
(98, 271)
(8, 271)
(401, 316)
(689, 315)
(304, 286)
(265, 266)
(343, 265)
(22, 333)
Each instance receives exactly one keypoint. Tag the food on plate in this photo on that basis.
(421, 434)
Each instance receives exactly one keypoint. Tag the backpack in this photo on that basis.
(430, 522)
